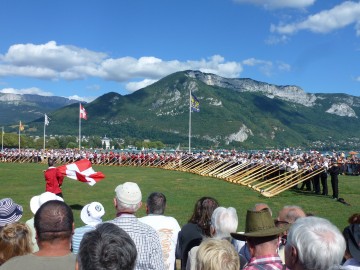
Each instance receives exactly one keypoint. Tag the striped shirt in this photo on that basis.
(146, 240)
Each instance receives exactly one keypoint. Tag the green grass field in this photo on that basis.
(22, 181)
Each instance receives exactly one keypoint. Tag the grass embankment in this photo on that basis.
(22, 181)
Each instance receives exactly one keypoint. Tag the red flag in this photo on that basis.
(83, 114)
(82, 171)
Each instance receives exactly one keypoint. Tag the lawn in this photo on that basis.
(22, 181)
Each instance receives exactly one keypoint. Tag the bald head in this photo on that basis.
(290, 214)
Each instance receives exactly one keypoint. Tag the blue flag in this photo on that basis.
(195, 104)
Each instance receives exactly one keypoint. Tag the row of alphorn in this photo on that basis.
(266, 179)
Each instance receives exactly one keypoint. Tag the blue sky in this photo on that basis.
(85, 48)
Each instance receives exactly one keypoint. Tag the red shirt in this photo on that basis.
(54, 180)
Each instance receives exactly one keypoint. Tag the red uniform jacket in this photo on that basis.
(54, 180)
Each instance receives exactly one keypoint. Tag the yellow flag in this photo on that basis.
(21, 126)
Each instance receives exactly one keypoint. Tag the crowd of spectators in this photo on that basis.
(209, 241)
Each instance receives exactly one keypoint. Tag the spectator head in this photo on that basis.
(354, 219)
(352, 238)
(314, 243)
(106, 247)
(54, 220)
(214, 254)
(9, 211)
(37, 201)
(289, 214)
(223, 222)
(128, 197)
(259, 224)
(262, 206)
(156, 203)
(15, 240)
(92, 213)
(203, 210)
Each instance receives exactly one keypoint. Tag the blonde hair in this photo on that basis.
(15, 240)
(214, 254)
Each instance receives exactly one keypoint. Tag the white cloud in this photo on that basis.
(32, 90)
(86, 99)
(267, 67)
(133, 86)
(325, 21)
(56, 62)
(277, 4)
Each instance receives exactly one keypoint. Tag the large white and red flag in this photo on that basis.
(83, 113)
(82, 171)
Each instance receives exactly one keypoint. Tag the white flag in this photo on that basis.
(47, 119)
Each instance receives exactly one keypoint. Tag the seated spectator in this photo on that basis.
(223, 222)
(127, 202)
(215, 254)
(262, 238)
(198, 226)
(54, 225)
(352, 253)
(244, 250)
(106, 247)
(314, 243)
(91, 215)
(35, 203)
(167, 227)
(15, 240)
(9, 212)
(287, 215)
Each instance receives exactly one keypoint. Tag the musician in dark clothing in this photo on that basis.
(334, 171)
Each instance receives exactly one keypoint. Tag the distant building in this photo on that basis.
(105, 141)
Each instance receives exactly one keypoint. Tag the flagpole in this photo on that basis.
(79, 127)
(189, 121)
(44, 130)
(19, 135)
(2, 139)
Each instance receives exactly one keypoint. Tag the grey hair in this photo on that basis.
(319, 244)
(124, 207)
(224, 221)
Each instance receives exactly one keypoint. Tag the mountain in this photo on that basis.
(233, 113)
(14, 108)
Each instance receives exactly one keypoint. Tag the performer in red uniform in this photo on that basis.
(53, 178)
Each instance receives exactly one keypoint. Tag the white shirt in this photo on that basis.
(168, 229)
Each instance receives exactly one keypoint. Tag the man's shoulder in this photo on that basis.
(157, 221)
(31, 261)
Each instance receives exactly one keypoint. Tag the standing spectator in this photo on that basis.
(91, 215)
(198, 226)
(35, 203)
(215, 254)
(54, 225)
(127, 201)
(15, 240)
(334, 171)
(53, 178)
(106, 247)
(9, 212)
(314, 243)
(167, 227)
(262, 238)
